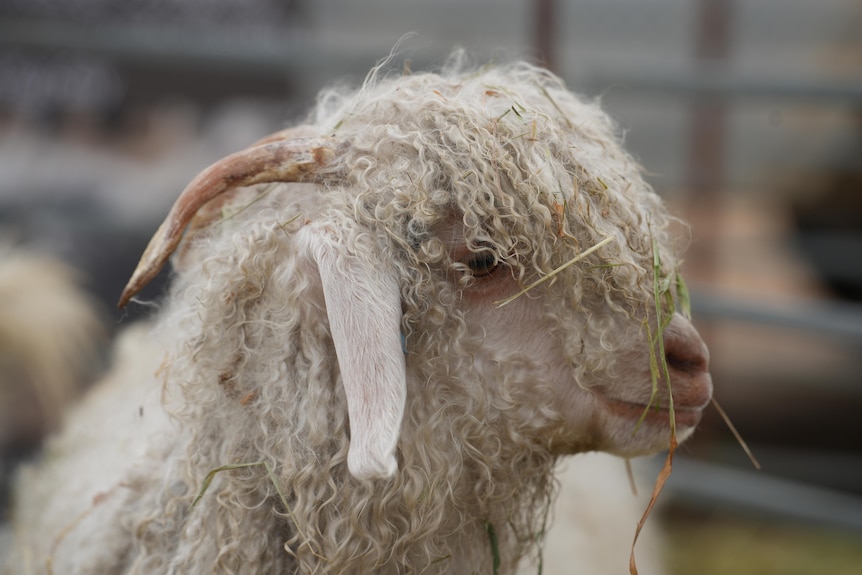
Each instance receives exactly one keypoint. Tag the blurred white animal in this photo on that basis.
(595, 516)
(50, 333)
(49, 336)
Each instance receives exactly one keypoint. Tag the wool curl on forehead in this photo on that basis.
(535, 174)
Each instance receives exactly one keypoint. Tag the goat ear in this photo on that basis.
(363, 305)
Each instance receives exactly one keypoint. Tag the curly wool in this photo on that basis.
(240, 342)
(525, 162)
(534, 176)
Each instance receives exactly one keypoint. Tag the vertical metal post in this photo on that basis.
(707, 137)
(708, 115)
(543, 33)
(706, 161)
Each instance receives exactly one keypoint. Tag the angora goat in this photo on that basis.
(337, 346)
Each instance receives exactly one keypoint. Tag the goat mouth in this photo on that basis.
(653, 414)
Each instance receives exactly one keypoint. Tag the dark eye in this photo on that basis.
(483, 264)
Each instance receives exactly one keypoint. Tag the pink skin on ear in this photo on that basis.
(363, 305)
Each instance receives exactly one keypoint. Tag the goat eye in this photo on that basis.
(483, 264)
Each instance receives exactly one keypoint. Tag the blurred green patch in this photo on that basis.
(727, 545)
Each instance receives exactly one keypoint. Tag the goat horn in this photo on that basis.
(276, 160)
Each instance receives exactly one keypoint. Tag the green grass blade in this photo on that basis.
(495, 546)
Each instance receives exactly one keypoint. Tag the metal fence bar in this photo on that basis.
(292, 49)
(717, 81)
(755, 493)
(163, 46)
(842, 321)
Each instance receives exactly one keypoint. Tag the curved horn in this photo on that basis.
(275, 161)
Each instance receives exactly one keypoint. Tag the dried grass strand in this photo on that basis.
(662, 478)
(551, 274)
(736, 434)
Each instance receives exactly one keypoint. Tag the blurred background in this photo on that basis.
(746, 113)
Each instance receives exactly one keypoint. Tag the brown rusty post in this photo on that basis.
(543, 31)
(707, 135)
(712, 46)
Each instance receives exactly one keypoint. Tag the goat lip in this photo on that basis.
(656, 415)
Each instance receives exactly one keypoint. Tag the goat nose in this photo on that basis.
(686, 357)
(688, 362)
(684, 349)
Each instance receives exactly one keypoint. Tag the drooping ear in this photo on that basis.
(363, 305)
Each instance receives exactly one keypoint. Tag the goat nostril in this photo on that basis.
(685, 352)
(687, 360)
(688, 363)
